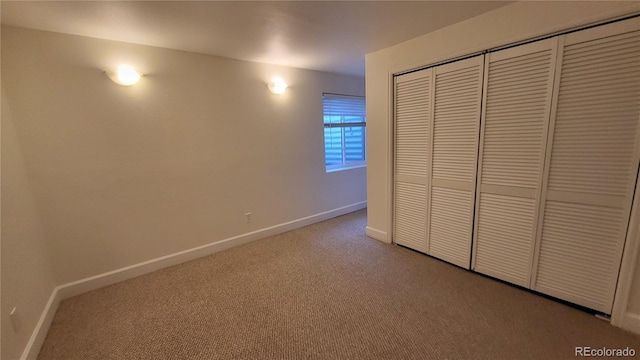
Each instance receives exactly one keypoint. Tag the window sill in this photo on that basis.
(346, 167)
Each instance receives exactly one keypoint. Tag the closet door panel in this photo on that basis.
(507, 225)
(578, 249)
(413, 108)
(517, 102)
(410, 215)
(593, 162)
(450, 230)
(458, 96)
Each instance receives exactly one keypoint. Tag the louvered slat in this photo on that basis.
(412, 126)
(450, 230)
(578, 243)
(456, 115)
(505, 226)
(411, 215)
(516, 115)
(412, 120)
(584, 147)
(516, 110)
(592, 165)
(457, 101)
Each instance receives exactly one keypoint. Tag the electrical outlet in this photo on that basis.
(247, 217)
(15, 323)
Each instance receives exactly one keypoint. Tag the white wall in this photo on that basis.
(515, 22)
(26, 280)
(122, 175)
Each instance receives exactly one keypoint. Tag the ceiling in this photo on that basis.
(319, 35)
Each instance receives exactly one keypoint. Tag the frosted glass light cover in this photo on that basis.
(125, 75)
(277, 86)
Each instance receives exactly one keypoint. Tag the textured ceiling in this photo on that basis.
(318, 35)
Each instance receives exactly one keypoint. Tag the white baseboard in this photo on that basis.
(631, 322)
(98, 281)
(42, 327)
(95, 282)
(377, 234)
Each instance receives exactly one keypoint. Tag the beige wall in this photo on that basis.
(122, 175)
(26, 280)
(505, 25)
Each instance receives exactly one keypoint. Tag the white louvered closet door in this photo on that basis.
(592, 166)
(456, 123)
(516, 106)
(413, 113)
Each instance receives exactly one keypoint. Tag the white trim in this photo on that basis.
(390, 154)
(377, 234)
(95, 282)
(630, 254)
(98, 281)
(42, 327)
(631, 322)
(347, 166)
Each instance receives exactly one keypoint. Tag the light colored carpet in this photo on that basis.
(324, 291)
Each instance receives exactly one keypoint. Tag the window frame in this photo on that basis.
(344, 165)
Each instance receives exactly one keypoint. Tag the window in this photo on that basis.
(344, 131)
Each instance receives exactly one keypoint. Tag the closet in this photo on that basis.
(436, 145)
(521, 163)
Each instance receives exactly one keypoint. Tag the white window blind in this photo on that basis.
(344, 131)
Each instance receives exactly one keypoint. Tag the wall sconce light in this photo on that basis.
(125, 75)
(277, 85)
